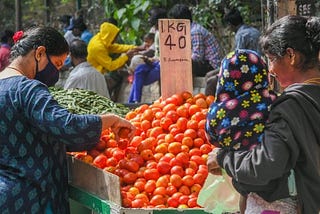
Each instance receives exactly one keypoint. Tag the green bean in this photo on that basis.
(82, 101)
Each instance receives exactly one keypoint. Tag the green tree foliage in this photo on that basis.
(7, 19)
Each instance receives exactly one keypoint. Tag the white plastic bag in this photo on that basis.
(218, 195)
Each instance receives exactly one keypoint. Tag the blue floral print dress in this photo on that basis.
(237, 116)
(35, 133)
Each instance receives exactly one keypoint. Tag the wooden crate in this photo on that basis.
(93, 180)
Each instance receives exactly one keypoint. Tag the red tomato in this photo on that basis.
(123, 143)
(124, 132)
(129, 178)
(100, 161)
(163, 167)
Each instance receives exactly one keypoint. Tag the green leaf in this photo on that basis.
(135, 23)
(121, 12)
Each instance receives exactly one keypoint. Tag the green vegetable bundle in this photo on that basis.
(80, 101)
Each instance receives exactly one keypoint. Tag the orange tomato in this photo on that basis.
(198, 142)
(174, 131)
(129, 178)
(150, 186)
(190, 171)
(190, 133)
(178, 137)
(132, 166)
(169, 107)
(136, 141)
(172, 202)
(192, 202)
(201, 102)
(174, 147)
(160, 190)
(209, 99)
(188, 180)
(173, 115)
(206, 148)
(178, 170)
(151, 174)
(134, 190)
(198, 159)
(175, 180)
(182, 111)
(163, 167)
(162, 148)
(139, 184)
(201, 124)
(130, 115)
(111, 143)
(199, 95)
(100, 161)
(199, 178)
(184, 190)
(145, 125)
(193, 109)
(165, 122)
(178, 98)
(195, 189)
(183, 157)
(156, 131)
(142, 196)
(147, 115)
(188, 141)
(163, 181)
(138, 203)
(186, 95)
(170, 190)
(157, 200)
(183, 199)
(142, 108)
(192, 124)
(147, 154)
(158, 156)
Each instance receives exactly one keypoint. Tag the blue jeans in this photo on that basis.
(144, 74)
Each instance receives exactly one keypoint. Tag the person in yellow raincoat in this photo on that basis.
(102, 50)
(103, 44)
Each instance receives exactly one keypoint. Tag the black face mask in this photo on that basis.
(49, 75)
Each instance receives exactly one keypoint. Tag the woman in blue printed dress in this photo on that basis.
(36, 131)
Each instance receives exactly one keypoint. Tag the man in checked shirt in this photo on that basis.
(206, 55)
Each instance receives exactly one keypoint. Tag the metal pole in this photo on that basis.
(47, 8)
(79, 6)
(263, 22)
(18, 15)
(270, 12)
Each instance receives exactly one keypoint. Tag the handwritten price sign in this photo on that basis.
(175, 56)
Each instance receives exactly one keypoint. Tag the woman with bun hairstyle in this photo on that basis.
(291, 138)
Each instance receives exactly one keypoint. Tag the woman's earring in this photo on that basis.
(292, 57)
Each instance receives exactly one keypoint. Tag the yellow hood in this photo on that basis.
(108, 33)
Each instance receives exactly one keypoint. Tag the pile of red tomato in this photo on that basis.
(164, 165)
